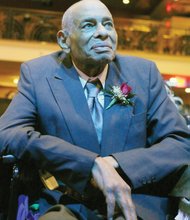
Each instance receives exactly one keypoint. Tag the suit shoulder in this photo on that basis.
(136, 67)
(42, 66)
(45, 60)
(135, 64)
(133, 60)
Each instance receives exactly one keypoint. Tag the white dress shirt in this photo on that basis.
(102, 77)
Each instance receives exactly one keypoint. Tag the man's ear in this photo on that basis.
(63, 41)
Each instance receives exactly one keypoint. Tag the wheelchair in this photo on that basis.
(12, 185)
(9, 187)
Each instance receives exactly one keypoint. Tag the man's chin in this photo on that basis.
(104, 57)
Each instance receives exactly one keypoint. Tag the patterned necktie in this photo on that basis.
(96, 110)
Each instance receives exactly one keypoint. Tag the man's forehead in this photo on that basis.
(88, 4)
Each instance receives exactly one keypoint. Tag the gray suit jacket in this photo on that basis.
(49, 122)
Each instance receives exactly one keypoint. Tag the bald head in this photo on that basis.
(88, 35)
(77, 8)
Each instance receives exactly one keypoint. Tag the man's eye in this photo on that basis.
(86, 26)
(108, 24)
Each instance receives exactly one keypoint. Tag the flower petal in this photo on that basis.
(125, 88)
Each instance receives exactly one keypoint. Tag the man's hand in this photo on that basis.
(114, 188)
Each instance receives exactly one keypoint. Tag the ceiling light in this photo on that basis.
(126, 1)
(15, 80)
(187, 90)
(173, 81)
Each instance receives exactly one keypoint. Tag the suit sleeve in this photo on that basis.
(19, 136)
(168, 139)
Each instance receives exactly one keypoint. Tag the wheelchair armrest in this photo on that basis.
(9, 175)
(182, 188)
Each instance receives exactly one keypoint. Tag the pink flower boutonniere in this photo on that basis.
(120, 95)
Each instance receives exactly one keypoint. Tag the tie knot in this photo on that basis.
(93, 87)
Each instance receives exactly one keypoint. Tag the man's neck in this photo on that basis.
(89, 69)
(102, 75)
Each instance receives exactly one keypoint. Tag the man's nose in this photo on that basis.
(101, 31)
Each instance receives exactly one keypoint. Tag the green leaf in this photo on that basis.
(35, 207)
(113, 102)
(109, 92)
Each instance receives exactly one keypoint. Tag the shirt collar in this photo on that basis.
(84, 78)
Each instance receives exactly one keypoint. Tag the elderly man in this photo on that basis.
(100, 123)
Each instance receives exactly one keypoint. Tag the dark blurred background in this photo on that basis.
(155, 29)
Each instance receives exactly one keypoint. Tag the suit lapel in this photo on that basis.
(69, 94)
(117, 118)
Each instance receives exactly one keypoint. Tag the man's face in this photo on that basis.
(93, 38)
